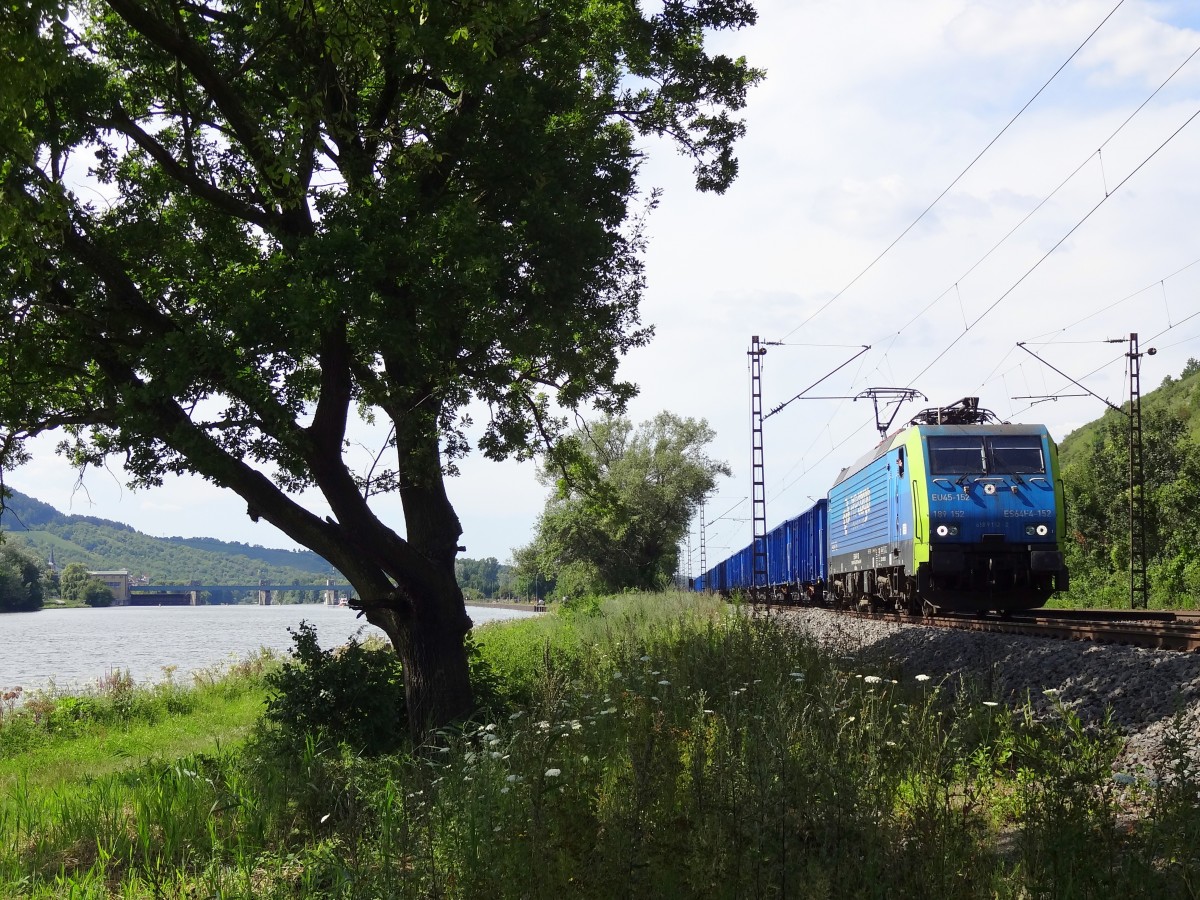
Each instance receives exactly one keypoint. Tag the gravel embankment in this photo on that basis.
(1144, 688)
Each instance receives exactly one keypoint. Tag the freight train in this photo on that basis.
(956, 511)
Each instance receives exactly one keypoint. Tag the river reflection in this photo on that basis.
(73, 648)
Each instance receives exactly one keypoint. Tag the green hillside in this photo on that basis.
(103, 544)
(1095, 468)
(1178, 397)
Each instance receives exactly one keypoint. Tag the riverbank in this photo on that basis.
(515, 606)
(661, 747)
(72, 650)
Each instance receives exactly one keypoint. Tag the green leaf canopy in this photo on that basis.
(228, 228)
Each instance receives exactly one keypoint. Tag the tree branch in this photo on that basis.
(121, 122)
(194, 57)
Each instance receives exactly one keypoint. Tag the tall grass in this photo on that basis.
(651, 747)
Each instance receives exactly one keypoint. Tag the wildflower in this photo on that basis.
(990, 703)
(543, 725)
(504, 790)
(491, 727)
(1050, 692)
(553, 773)
(797, 675)
(576, 726)
(645, 659)
(514, 779)
(516, 715)
(890, 743)
(922, 678)
(496, 754)
(851, 719)
(656, 672)
(872, 679)
(664, 682)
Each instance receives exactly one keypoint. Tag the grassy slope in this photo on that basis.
(658, 747)
(219, 718)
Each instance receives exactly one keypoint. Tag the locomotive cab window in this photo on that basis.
(956, 455)
(1019, 454)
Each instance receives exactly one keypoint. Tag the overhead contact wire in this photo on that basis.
(958, 178)
(1057, 244)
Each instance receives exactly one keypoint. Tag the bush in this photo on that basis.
(96, 593)
(352, 695)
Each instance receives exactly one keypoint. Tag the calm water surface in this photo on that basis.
(72, 648)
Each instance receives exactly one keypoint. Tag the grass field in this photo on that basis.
(641, 746)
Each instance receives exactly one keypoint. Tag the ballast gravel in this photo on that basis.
(1150, 692)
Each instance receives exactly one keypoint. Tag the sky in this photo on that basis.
(916, 179)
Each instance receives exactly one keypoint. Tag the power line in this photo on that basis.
(1057, 244)
(1042, 203)
(957, 179)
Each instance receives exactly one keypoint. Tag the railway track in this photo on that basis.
(1155, 629)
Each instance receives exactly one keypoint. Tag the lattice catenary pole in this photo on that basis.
(757, 471)
(1138, 582)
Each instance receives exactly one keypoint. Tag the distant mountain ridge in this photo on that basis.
(103, 544)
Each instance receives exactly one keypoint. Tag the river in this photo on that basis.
(70, 649)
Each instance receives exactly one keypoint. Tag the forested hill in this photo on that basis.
(104, 544)
(1177, 397)
(1095, 466)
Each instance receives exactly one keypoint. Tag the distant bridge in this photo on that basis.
(183, 588)
(187, 594)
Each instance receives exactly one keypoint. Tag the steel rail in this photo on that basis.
(1153, 629)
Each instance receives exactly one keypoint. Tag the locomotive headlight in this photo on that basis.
(946, 530)
(1039, 530)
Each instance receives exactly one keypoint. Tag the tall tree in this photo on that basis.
(228, 227)
(623, 503)
(20, 581)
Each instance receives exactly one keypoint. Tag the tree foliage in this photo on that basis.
(228, 229)
(76, 586)
(482, 578)
(622, 504)
(1097, 488)
(20, 581)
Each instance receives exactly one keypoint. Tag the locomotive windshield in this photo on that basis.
(1019, 454)
(956, 455)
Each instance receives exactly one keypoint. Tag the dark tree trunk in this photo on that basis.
(430, 624)
(437, 681)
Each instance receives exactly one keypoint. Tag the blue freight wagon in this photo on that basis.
(956, 511)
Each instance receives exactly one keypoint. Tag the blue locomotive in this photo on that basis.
(956, 511)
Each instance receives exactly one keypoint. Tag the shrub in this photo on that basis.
(353, 694)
